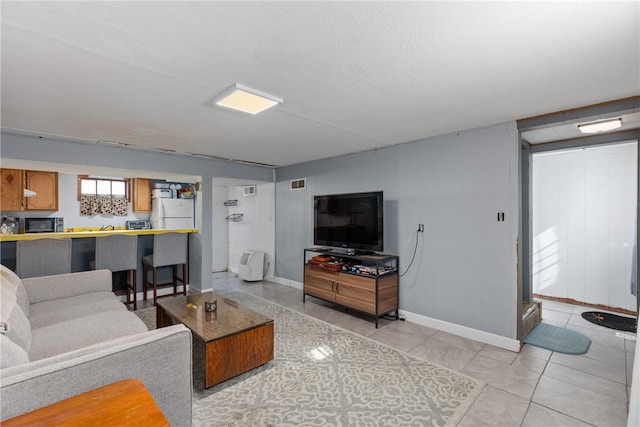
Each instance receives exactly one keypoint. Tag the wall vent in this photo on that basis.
(298, 184)
(249, 190)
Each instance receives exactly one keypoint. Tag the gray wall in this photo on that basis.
(54, 151)
(465, 267)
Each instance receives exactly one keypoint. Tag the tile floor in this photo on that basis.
(535, 387)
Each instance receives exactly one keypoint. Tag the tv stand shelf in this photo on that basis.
(366, 282)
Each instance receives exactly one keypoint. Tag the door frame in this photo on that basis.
(525, 247)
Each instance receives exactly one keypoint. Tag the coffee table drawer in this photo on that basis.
(238, 353)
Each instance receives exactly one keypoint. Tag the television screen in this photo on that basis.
(353, 221)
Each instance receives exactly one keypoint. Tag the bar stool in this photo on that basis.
(169, 249)
(43, 257)
(119, 253)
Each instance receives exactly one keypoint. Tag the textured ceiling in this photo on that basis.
(354, 75)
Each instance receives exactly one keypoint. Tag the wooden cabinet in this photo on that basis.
(320, 283)
(374, 292)
(44, 184)
(11, 190)
(141, 195)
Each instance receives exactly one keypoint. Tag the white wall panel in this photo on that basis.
(583, 224)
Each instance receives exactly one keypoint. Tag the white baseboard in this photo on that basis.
(160, 292)
(287, 282)
(463, 331)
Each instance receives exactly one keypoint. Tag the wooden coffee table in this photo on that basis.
(236, 339)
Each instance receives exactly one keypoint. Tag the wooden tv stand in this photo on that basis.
(366, 283)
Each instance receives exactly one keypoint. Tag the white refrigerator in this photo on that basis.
(172, 214)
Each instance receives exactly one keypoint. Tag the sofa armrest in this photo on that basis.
(45, 288)
(160, 358)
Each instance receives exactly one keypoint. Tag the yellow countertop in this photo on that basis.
(84, 234)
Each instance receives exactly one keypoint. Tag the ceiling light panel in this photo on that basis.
(247, 100)
(600, 126)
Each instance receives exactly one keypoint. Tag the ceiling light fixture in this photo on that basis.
(600, 126)
(247, 100)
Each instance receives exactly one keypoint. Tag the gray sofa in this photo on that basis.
(67, 334)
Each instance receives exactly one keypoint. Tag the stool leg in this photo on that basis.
(175, 279)
(144, 281)
(127, 284)
(184, 279)
(155, 285)
(134, 288)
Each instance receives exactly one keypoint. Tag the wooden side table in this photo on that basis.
(125, 402)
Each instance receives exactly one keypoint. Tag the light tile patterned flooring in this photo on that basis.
(535, 387)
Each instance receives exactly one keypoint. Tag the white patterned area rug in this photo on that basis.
(323, 375)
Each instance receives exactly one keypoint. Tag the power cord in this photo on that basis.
(397, 316)
(415, 249)
(264, 272)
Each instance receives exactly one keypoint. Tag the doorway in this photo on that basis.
(584, 225)
(559, 131)
(242, 221)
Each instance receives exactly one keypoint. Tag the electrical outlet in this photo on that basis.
(421, 228)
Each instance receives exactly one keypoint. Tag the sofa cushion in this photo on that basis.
(73, 334)
(16, 325)
(9, 279)
(18, 328)
(11, 354)
(60, 310)
(60, 286)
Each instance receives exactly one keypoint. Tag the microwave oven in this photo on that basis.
(44, 225)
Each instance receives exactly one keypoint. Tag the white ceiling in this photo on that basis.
(354, 75)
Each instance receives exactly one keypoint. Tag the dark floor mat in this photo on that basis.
(612, 321)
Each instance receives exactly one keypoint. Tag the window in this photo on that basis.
(89, 186)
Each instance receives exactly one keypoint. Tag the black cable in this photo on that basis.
(264, 272)
(392, 317)
(415, 249)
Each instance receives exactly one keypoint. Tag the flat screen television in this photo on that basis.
(352, 221)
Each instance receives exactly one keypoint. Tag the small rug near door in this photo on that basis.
(561, 340)
(612, 321)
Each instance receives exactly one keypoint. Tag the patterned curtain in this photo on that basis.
(103, 205)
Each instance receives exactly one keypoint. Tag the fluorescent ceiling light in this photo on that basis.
(600, 126)
(247, 100)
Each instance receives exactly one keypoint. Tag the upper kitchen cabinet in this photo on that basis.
(15, 181)
(11, 190)
(45, 185)
(141, 195)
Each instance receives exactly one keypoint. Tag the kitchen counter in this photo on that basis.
(85, 234)
(83, 248)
